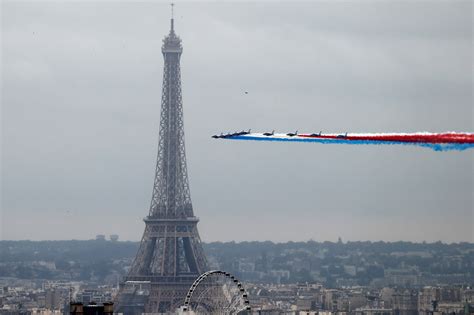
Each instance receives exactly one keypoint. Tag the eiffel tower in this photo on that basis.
(170, 256)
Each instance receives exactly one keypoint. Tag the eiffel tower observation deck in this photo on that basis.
(170, 256)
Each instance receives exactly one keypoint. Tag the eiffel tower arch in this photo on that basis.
(170, 256)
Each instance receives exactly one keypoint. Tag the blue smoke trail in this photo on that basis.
(433, 146)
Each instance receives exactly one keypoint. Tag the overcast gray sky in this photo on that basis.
(81, 88)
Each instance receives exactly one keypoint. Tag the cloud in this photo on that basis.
(80, 114)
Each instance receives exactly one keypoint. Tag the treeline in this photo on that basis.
(77, 250)
(106, 261)
(73, 250)
(250, 249)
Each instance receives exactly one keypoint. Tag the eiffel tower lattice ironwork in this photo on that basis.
(170, 256)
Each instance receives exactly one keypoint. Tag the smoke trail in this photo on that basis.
(449, 141)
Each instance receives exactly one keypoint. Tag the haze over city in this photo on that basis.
(81, 91)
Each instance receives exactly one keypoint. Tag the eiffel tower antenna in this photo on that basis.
(170, 256)
(172, 16)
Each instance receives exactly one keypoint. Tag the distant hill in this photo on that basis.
(65, 250)
(331, 263)
(14, 251)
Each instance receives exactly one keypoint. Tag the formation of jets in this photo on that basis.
(269, 134)
(446, 141)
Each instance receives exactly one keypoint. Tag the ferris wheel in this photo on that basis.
(216, 292)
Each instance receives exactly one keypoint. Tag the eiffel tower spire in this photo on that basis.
(170, 256)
